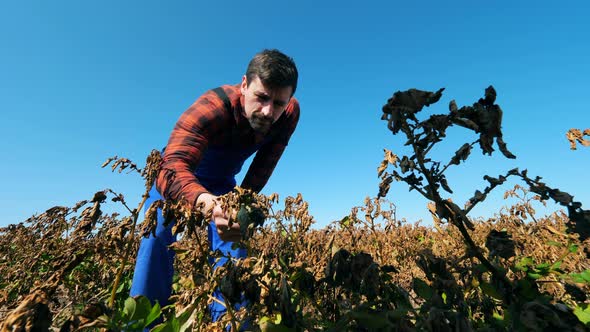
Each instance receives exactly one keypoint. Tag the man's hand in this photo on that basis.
(226, 233)
(220, 218)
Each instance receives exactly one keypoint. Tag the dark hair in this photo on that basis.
(275, 69)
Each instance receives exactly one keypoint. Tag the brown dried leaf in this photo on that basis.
(31, 315)
(445, 185)
(576, 135)
(561, 197)
(493, 181)
(382, 167)
(412, 100)
(500, 244)
(391, 157)
(579, 222)
(108, 161)
(407, 164)
(490, 96)
(484, 117)
(466, 123)
(384, 186)
(99, 197)
(404, 104)
(151, 169)
(504, 149)
(461, 154)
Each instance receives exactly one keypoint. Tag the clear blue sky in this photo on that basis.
(82, 81)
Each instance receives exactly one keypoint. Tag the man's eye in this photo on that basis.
(263, 98)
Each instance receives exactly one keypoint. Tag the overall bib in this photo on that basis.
(154, 265)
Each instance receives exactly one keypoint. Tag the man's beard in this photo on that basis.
(259, 124)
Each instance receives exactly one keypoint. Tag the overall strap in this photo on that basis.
(226, 103)
(223, 96)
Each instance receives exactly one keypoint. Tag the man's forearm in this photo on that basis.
(262, 167)
(179, 186)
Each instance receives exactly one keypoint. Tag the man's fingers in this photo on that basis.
(231, 238)
(226, 232)
(223, 224)
(229, 235)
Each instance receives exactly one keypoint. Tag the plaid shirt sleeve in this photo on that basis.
(268, 156)
(187, 143)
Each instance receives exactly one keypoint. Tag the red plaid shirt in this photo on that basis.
(207, 123)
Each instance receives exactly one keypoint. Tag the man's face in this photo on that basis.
(263, 106)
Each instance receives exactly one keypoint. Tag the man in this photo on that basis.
(207, 148)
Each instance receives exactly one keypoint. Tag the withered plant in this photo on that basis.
(522, 305)
(69, 269)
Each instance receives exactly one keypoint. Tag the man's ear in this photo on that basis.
(244, 85)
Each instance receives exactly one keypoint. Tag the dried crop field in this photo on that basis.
(70, 268)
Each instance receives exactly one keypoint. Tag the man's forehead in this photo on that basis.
(260, 88)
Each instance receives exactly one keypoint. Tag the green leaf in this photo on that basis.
(266, 325)
(534, 275)
(499, 320)
(497, 316)
(576, 277)
(185, 320)
(164, 327)
(154, 314)
(490, 290)
(143, 307)
(170, 326)
(422, 288)
(524, 264)
(124, 287)
(573, 248)
(129, 309)
(371, 321)
(345, 221)
(583, 277)
(556, 265)
(527, 289)
(583, 313)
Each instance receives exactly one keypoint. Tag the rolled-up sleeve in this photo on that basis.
(186, 146)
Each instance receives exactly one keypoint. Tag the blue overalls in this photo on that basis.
(154, 265)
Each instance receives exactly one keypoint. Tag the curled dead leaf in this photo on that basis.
(577, 136)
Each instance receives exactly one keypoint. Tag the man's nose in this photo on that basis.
(267, 110)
